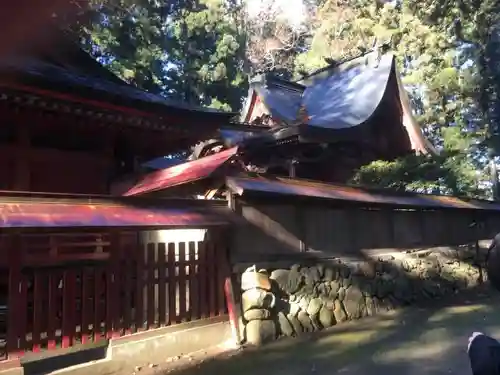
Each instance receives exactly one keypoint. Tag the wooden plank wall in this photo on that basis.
(50, 170)
(278, 231)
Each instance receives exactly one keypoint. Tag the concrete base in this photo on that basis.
(47, 362)
(170, 341)
(125, 353)
(11, 367)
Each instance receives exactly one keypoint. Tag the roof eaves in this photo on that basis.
(271, 80)
(314, 190)
(94, 79)
(285, 84)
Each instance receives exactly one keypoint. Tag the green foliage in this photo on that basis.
(451, 172)
(447, 53)
(450, 68)
(187, 50)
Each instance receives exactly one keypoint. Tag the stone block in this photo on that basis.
(251, 280)
(314, 306)
(305, 322)
(326, 317)
(257, 299)
(256, 314)
(285, 326)
(259, 332)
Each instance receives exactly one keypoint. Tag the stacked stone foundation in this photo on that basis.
(292, 300)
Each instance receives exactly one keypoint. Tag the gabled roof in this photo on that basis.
(282, 98)
(182, 173)
(339, 100)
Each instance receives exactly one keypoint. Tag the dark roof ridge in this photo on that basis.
(298, 85)
(56, 50)
(269, 78)
(335, 65)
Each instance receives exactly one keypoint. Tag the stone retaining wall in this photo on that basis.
(309, 297)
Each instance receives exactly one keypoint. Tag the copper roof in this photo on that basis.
(312, 190)
(33, 210)
(182, 173)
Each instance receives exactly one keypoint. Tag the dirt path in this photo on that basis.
(423, 342)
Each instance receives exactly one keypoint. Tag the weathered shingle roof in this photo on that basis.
(66, 68)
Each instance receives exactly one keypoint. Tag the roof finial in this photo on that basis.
(377, 55)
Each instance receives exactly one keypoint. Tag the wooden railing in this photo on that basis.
(64, 289)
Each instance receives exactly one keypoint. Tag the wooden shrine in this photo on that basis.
(322, 128)
(68, 125)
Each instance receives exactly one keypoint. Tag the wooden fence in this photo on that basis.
(63, 289)
(284, 230)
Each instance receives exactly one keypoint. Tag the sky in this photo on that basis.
(292, 10)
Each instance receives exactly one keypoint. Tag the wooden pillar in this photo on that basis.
(292, 169)
(16, 305)
(109, 155)
(23, 159)
(113, 287)
(301, 223)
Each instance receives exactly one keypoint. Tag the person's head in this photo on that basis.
(484, 354)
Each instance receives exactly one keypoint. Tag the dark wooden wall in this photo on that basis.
(278, 231)
(53, 171)
(53, 154)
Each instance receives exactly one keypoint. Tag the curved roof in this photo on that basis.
(283, 104)
(339, 98)
(348, 98)
(58, 64)
(343, 96)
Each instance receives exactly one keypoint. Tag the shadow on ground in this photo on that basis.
(426, 340)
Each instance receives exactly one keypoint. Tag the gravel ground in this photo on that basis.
(424, 341)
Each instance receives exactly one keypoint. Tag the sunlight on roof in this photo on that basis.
(176, 170)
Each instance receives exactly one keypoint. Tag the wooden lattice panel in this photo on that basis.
(50, 249)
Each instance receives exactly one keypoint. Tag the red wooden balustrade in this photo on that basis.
(64, 289)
